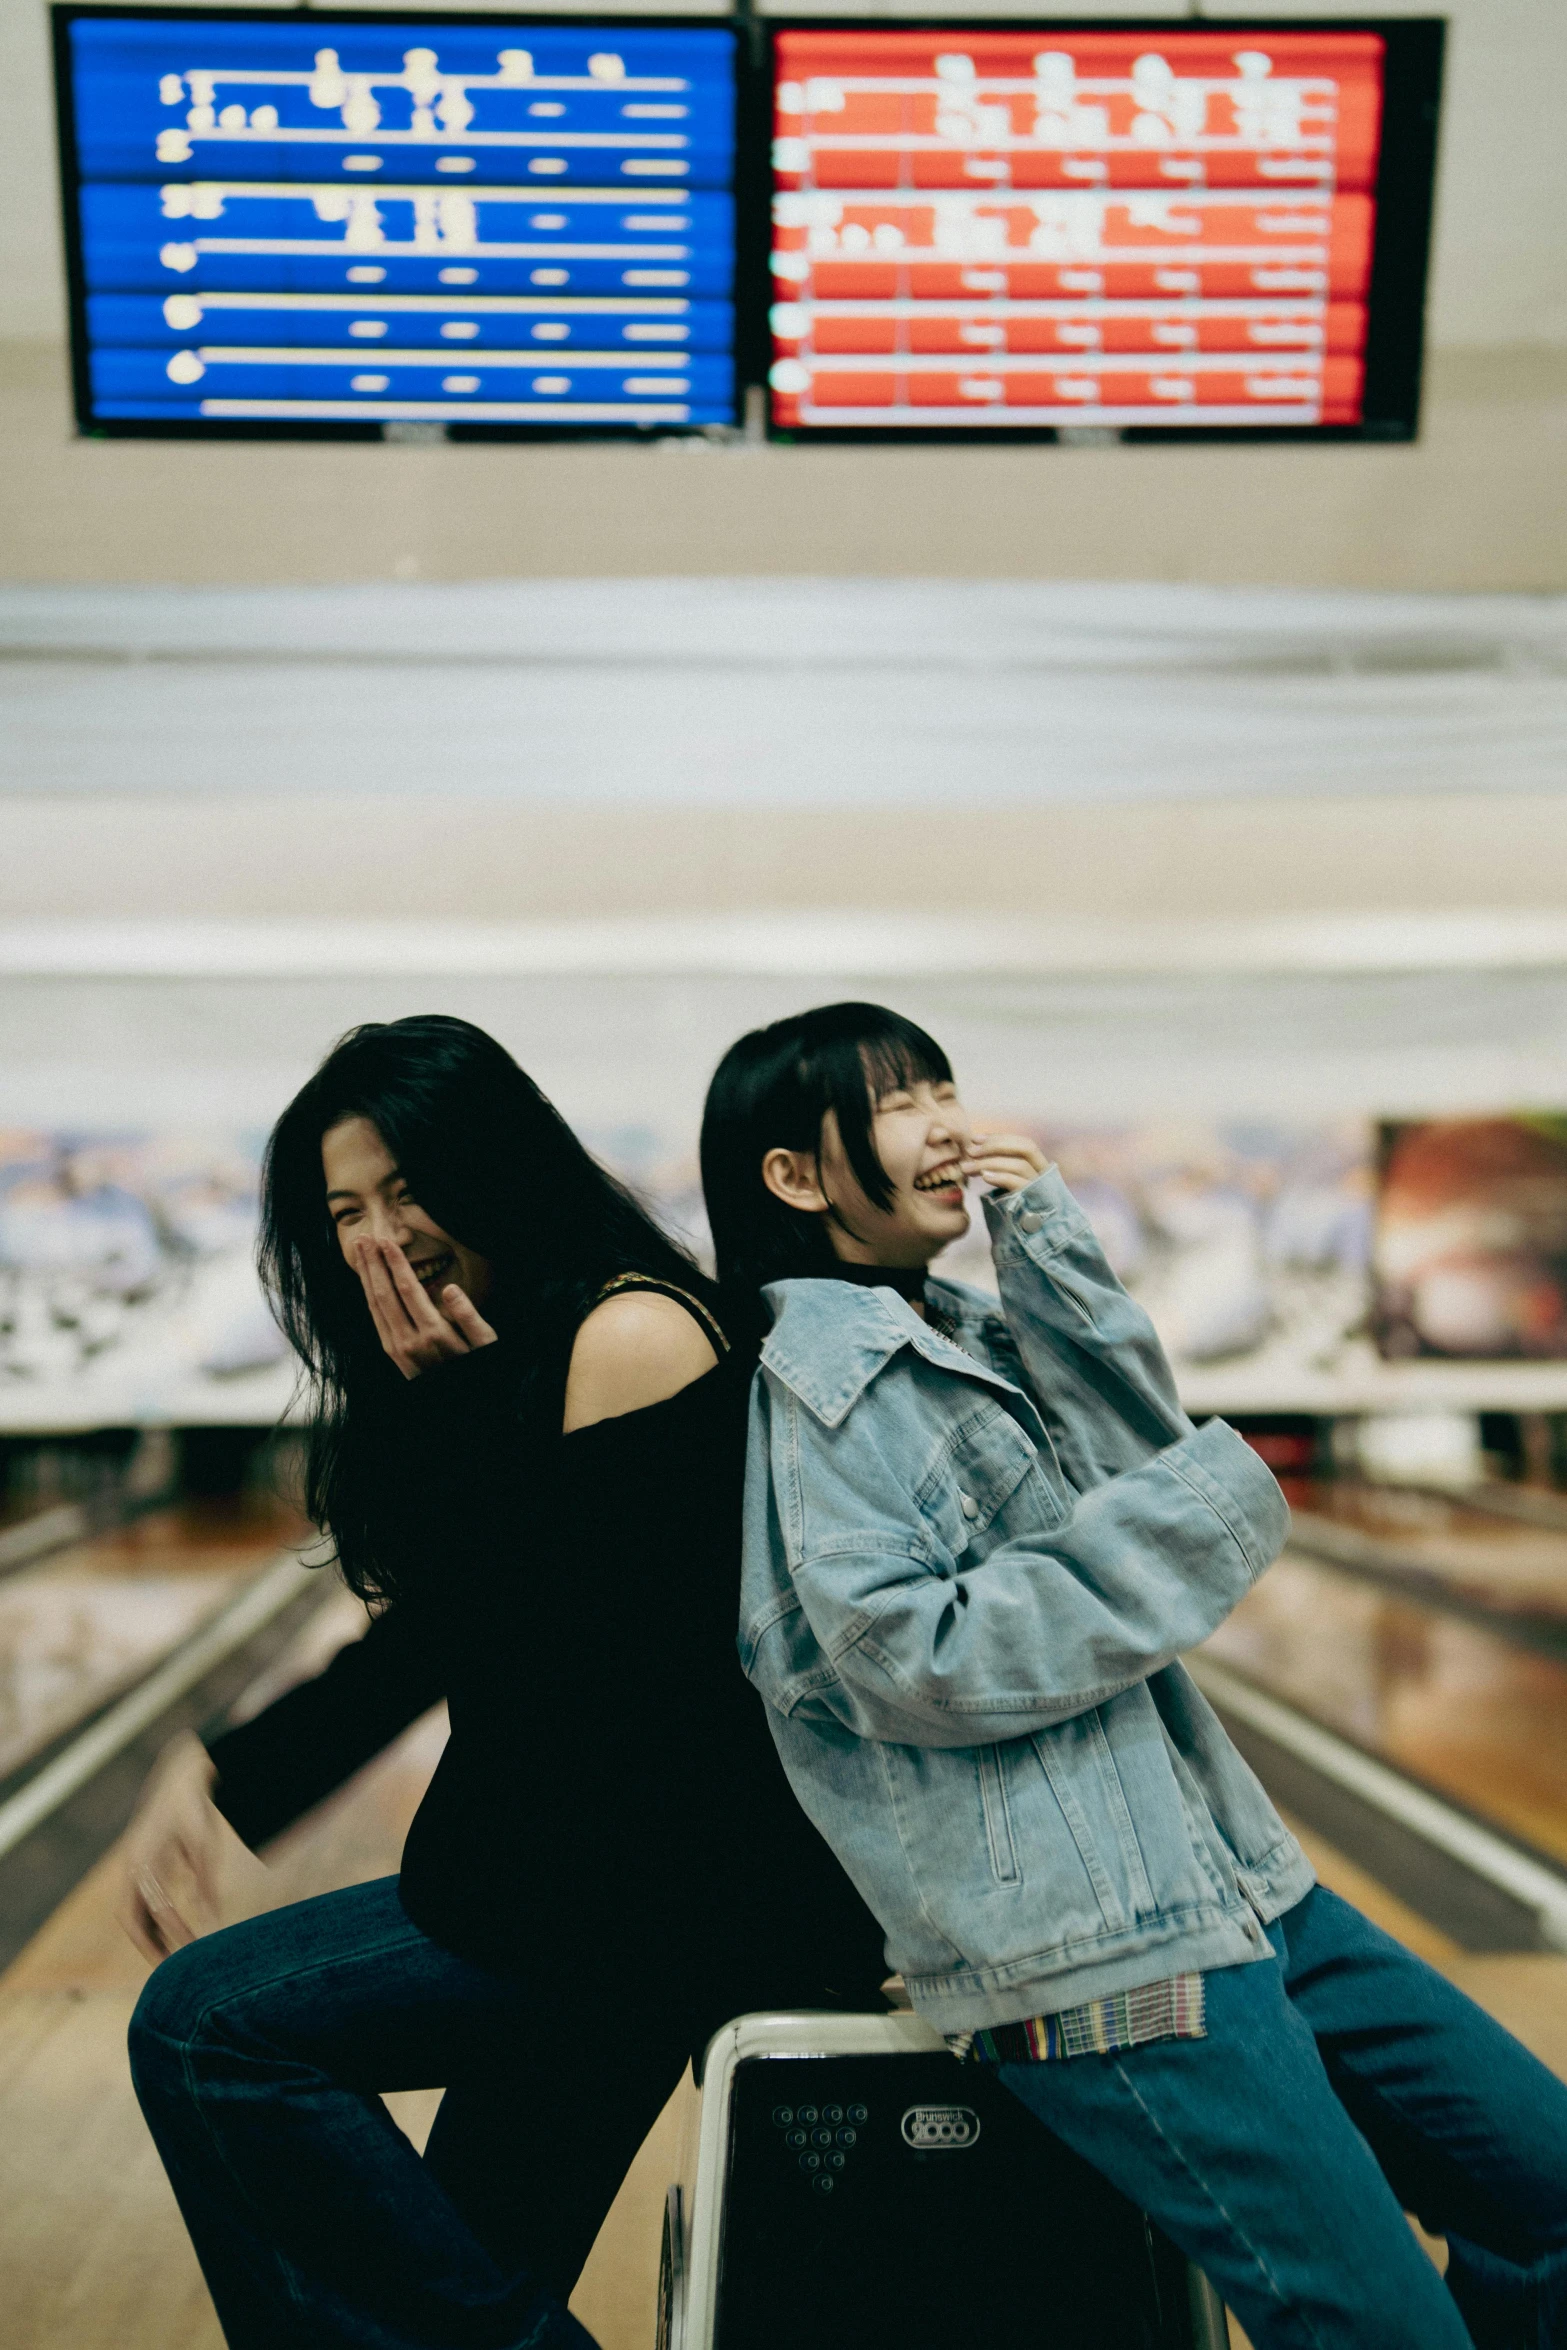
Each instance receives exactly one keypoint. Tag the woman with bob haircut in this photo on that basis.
(979, 1535)
(527, 1447)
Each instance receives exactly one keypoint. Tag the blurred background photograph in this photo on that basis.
(624, 524)
(1471, 1237)
(130, 1287)
(1249, 1245)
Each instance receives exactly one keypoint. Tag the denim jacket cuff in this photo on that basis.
(1035, 1221)
(1240, 1489)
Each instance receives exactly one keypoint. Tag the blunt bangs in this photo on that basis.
(860, 1070)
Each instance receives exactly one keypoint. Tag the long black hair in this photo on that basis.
(771, 1091)
(493, 1162)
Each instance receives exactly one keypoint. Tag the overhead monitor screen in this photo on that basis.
(329, 223)
(1047, 229)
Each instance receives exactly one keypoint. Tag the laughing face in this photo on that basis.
(367, 1197)
(920, 1133)
(930, 1150)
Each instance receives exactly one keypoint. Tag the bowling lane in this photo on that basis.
(82, 1624)
(93, 2255)
(1446, 1547)
(1463, 1707)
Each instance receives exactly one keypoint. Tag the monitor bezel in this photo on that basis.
(90, 426)
(1404, 201)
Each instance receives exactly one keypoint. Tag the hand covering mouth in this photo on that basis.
(943, 1178)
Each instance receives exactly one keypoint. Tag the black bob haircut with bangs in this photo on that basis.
(772, 1091)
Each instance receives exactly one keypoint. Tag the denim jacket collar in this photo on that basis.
(829, 1340)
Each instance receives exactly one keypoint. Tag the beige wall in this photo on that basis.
(1478, 504)
(432, 859)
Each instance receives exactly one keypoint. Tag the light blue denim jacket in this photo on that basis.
(968, 1573)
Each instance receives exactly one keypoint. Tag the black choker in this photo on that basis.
(907, 1280)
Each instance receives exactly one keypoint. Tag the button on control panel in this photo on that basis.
(821, 2138)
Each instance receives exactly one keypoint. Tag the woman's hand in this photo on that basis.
(181, 1868)
(415, 1331)
(1007, 1161)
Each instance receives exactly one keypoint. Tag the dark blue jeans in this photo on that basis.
(258, 2055)
(1336, 2090)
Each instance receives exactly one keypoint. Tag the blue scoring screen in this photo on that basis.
(337, 220)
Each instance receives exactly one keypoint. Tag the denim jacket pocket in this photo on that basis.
(1119, 1814)
(998, 1815)
(976, 1473)
(1052, 1763)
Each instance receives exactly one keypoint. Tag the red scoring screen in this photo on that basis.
(1094, 228)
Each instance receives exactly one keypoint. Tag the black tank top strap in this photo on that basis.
(685, 1297)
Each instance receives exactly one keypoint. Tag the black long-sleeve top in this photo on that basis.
(609, 1820)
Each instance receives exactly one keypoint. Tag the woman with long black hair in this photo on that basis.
(527, 1448)
(979, 1534)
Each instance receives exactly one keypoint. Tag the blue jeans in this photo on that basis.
(1337, 2089)
(258, 2054)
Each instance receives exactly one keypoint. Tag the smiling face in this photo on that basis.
(367, 1197)
(921, 1133)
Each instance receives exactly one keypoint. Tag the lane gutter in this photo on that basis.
(248, 1613)
(1530, 1883)
(1371, 1560)
(52, 1529)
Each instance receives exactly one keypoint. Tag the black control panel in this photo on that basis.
(910, 2203)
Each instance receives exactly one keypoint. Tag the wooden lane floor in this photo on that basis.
(81, 1624)
(1453, 1702)
(93, 2255)
(1485, 1559)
